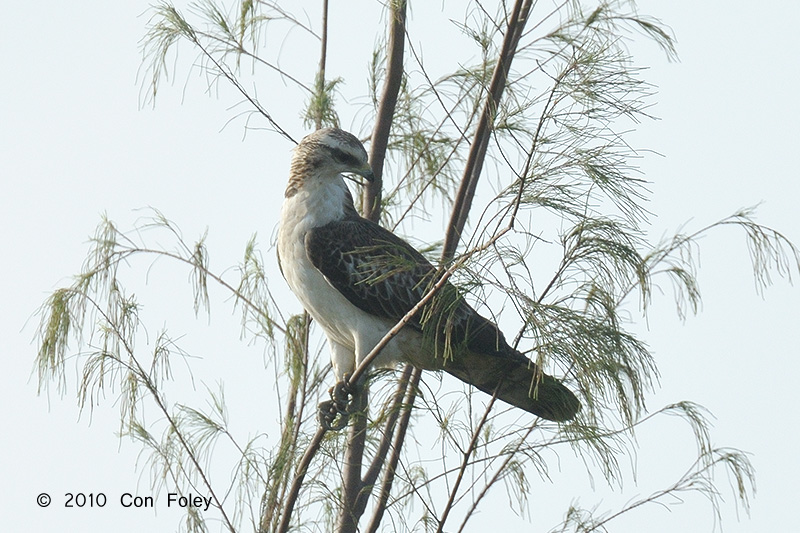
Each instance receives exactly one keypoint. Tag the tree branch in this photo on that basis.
(483, 130)
(222, 69)
(302, 468)
(397, 445)
(371, 199)
(465, 463)
(142, 375)
(393, 410)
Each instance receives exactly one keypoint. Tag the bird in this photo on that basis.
(357, 279)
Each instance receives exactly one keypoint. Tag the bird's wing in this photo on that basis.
(383, 275)
(373, 268)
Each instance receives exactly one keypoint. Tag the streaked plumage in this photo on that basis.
(357, 279)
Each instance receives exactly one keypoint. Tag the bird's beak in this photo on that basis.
(367, 174)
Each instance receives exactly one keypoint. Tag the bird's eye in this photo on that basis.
(344, 158)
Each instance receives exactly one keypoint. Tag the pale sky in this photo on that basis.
(76, 143)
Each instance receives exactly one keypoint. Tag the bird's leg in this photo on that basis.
(338, 406)
(342, 393)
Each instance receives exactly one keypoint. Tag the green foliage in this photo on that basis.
(320, 112)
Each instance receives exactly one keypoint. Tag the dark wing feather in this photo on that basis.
(383, 275)
(374, 269)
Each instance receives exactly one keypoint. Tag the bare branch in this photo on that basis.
(383, 121)
(400, 433)
(302, 468)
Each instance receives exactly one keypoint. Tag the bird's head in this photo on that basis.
(329, 152)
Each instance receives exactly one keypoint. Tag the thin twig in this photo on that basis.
(302, 468)
(153, 389)
(323, 58)
(232, 79)
(393, 410)
(465, 461)
(397, 445)
(509, 457)
(215, 277)
(523, 176)
(237, 47)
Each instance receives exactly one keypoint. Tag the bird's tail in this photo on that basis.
(516, 380)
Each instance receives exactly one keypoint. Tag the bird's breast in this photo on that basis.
(343, 322)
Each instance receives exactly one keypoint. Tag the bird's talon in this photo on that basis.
(328, 412)
(338, 407)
